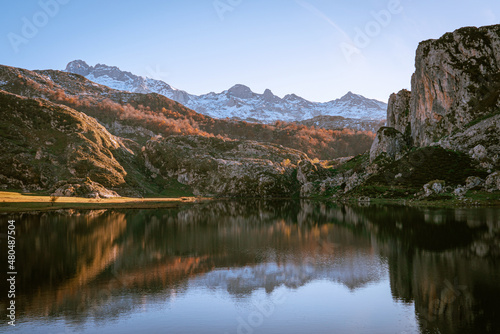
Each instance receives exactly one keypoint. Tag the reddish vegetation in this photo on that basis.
(166, 117)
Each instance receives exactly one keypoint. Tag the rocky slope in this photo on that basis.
(139, 116)
(238, 102)
(339, 123)
(218, 167)
(42, 143)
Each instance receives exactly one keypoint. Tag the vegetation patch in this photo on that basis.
(423, 165)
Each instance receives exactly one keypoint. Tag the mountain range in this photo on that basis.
(238, 102)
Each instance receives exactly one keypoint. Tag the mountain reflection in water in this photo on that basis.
(105, 265)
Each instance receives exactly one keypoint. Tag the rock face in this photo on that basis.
(398, 113)
(390, 142)
(213, 166)
(455, 82)
(480, 141)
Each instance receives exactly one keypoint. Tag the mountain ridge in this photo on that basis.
(239, 101)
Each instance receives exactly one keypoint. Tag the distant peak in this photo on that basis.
(349, 96)
(240, 91)
(240, 86)
(292, 97)
(268, 96)
(78, 67)
(104, 66)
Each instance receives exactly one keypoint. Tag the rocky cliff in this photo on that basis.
(456, 85)
(454, 104)
(456, 81)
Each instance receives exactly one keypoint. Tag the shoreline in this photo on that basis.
(443, 204)
(12, 202)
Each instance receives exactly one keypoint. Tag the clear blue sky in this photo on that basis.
(288, 46)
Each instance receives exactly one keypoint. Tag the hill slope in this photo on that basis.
(141, 116)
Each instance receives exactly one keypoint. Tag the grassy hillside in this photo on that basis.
(141, 116)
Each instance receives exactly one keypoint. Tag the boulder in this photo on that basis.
(82, 188)
(472, 182)
(307, 174)
(492, 182)
(434, 187)
(389, 142)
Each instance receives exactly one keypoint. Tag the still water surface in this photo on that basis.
(257, 267)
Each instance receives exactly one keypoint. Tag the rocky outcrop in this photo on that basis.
(389, 142)
(456, 81)
(434, 187)
(82, 188)
(213, 166)
(480, 141)
(42, 143)
(492, 182)
(398, 113)
(341, 123)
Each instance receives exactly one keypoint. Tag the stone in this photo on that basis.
(492, 182)
(434, 187)
(460, 191)
(83, 188)
(480, 141)
(478, 152)
(389, 142)
(472, 182)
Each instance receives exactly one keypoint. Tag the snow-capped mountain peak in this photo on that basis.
(238, 101)
(241, 91)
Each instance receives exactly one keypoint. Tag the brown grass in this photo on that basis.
(15, 202)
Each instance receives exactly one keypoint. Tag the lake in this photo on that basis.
(256, 267)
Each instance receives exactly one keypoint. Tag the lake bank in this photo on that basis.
(18, 202)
